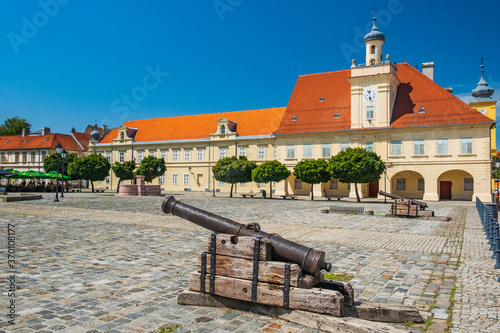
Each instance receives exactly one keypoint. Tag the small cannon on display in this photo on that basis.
(407, 207)
(245, 266)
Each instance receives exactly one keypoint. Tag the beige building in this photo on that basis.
(191, 145)
(435, 146)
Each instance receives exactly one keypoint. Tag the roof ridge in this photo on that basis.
(330, 72)
(204, 114)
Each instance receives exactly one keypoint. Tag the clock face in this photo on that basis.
(483, 111)
(369, 95)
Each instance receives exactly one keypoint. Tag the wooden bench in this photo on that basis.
(292, 197)
(332, 198)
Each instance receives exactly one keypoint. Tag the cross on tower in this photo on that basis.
(374, 11)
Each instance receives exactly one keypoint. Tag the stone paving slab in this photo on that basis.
(116, 264)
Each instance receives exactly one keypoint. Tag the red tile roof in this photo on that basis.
(249, 123)
(441, 107)
(415, 91)
(47, 141)
(83, 139)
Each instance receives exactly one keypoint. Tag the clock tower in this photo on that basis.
(485, 104)
(373, 85)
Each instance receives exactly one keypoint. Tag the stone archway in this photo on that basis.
(455, 185)
(408, 184)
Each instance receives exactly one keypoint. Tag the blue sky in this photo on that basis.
(69, 63)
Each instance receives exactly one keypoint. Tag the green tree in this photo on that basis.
(50, 162)
(123, 171)
(72, 130)
(14, 126)
(356, 165)
(268, 172)
(151, 167)
(312, 172)
(234, 170)
(93, 167)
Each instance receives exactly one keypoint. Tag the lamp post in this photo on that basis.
(59, 150)
(63, 155)
(385, 183)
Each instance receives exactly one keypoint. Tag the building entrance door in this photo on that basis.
(445, 190)
(373, 189)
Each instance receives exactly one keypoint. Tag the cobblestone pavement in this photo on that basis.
(101, 263)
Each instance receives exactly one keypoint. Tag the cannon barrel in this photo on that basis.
(311, 260)
(422, 204)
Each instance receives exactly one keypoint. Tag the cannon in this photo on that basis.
(422, 204)
(311, 260)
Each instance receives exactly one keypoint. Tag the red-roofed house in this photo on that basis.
(27, 151)
(434, 145)
(191, 145)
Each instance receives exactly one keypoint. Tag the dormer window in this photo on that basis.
(223, 129)
(294, 118)
(336, 115)
(122, 136)
(322, 99)
(422, 110)
(25, 141)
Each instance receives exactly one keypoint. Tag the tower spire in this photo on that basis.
(482, 91)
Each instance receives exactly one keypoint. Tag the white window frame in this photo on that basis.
(163, 154)
(108, 157)
(175, 179)
(175, 155)
(222, 153)
(243, 151)
(370, 112)
(139, 156)
(186, 179)
(162, 179)
(152, 153)
(370, 147)
(419, 147)
(107, 179)
(308, 150)
(200, 153)
(262, 153)
(274, 152)
(442, 146)
(122, 157)
(466, 145)
(396, 148)
(326, 150)
(187, 155)
(344, 146)
(290, 151)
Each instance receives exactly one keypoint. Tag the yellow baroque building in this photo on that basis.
(435, 146)
(191, 145)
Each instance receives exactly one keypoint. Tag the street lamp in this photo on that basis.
(59, 150)
(63, 155)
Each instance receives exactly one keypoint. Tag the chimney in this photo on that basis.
(23, 133)
(45, 130)
(428, 70)
(104, 129)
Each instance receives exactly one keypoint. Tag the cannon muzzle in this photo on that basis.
(311, 260)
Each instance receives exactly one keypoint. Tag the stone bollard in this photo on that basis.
(369, 212)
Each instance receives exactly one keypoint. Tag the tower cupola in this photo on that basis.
(374, 41)
(482, 91)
